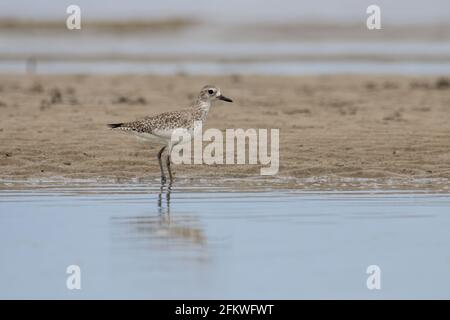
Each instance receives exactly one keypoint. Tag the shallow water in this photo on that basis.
(215, 68)
(132, 55)
(138, 242)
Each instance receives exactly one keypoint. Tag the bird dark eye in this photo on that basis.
(210, 91)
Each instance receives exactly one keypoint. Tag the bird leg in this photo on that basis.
(168, 168)
(163, 177)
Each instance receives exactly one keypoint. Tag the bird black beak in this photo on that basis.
(221, 97)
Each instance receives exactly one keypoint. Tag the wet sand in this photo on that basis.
(335, 127)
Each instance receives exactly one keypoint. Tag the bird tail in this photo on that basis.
(115, 125)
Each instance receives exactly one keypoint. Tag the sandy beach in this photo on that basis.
(330, 126)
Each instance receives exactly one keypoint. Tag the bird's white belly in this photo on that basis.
(164, 136)
(147, 137)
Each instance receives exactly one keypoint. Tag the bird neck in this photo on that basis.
(202, 107)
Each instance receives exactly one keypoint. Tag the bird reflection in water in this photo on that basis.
(161, 209)
(164, 230)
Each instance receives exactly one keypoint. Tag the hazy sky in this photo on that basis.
(397, 11)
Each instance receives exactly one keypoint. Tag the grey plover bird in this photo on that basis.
(159, 128)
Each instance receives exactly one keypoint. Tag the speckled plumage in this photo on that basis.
(169, 121)
(166, 121)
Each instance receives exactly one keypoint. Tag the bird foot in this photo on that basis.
(163, 179)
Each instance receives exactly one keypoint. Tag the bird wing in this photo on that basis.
(160, 124)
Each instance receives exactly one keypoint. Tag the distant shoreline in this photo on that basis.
(255, 31)
(169, 24)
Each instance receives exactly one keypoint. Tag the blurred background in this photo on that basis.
(225, 37)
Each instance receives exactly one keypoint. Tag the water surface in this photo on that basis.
(138, 242)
